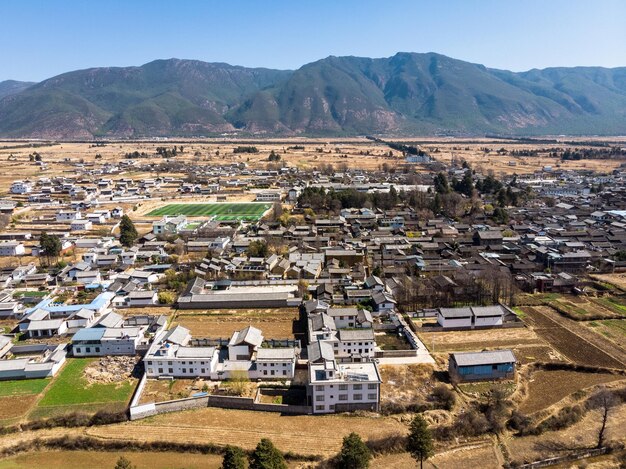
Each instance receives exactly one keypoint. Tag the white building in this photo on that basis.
(81, 225)
(169, 225)
(21, 187)
(12, 248)
(345, 387)
(68, 215)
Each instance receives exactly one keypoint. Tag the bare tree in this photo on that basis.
(603, 400)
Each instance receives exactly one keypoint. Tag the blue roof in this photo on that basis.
(98, 302)
(89, 334)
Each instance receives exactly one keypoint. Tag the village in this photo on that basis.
(381, 278)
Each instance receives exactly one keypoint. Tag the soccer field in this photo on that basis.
(222, 211)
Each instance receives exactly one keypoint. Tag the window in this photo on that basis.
(97, 349)
(77, 349)
(88, 349)
(284, 372)
(170, 370)
(372, 386)
(343, 397)
(149, 362)
(372, 397)
(319, 407)
(202, 371)
(319, 397)
(184, 370)
(169, 363)
(160, 370)
(357, 397)
(357, 387)
(343, 387)
(149, 371)
(319, 388)
(265, 372)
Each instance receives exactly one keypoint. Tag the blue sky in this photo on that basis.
(40, 39)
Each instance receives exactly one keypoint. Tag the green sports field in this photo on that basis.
(221, 211)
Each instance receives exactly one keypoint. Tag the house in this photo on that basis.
(243, 343)
(346, 387)
(117, 212)
(21, 187)
(32, 361)
(482, 366)
(101, 341)
(142, 298)
(12, 248)
(9, 309)
(68, 215)
(169, 225)
(81, 225)
(268, 196)
(471, 317)
(279, 363)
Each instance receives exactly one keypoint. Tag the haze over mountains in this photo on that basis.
(407, 93)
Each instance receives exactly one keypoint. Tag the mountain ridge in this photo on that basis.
(402, 94)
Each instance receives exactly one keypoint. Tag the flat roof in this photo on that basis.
(488, 357)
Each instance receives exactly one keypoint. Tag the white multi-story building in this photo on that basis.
(169, 225)
(21, 187)
(344, 387)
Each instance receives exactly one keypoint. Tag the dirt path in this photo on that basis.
(573, 340)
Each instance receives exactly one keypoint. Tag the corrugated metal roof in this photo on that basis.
(489, 357)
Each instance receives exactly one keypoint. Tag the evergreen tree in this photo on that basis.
(234, 458)
(354, 453)
(123, 463)
(441, 184)
(267, 456)
(50, 245)
(128, 232)
(419, 442)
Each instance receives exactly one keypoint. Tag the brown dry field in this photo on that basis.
(165, 390)
(274, 323)
(107, 460)
(15, 407)
(546, 388)
(572, 340)
(303, 434)
(619, 279)
(579, 436)
(359, 153)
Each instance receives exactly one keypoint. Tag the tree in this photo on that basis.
(50, 245)
(354, 453)
(419, 442)
(267, 456)
(234, 458)
(257, 249)
(441, 184)
(123, 463)
(128, 232)
(603, 400)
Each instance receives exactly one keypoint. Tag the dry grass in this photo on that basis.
(546, 388)
(274, 323)
(301, 434)
(107, 460)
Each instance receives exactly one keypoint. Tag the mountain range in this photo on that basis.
(408, 93)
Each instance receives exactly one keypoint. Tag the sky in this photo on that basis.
(40, 39)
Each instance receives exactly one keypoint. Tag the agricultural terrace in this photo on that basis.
(249, 211)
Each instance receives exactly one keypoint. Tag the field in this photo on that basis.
(221, 211)
(549, 387)
(573, 340)
(524, 342)
(107, 460)
(303, 434)
(71, 392)
(214, 324)
(18, 397)
(166, 390)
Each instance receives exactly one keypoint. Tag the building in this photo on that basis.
(268, 196)
(470, 317)
(68, 215)
(12, 248)
(169, 225)
(21, 187)
(344, 387)
(31, 361)
(482, 366)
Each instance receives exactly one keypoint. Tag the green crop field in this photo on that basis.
(23, 387)
(69, 388)
(222, 211)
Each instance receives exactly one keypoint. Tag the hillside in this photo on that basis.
(406, 93)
